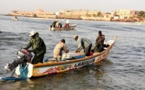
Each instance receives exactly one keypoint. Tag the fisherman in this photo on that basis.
(54, 24)
(59, 48)
(58, 25)
(16, 17)
(83, 43)
(67, 23)
(38, 47)
(99, 44)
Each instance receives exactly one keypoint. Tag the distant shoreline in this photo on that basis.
(75, 19)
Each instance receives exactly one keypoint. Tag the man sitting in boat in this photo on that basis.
(67, 23)
(16, 17)
(58, 25)
(99, 44)
(83, 43)
(57, 52)
(54, 23)
(38, 47)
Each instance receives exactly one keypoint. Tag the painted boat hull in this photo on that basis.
(42, 69)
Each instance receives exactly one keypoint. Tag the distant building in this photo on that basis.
(37, 13)
(41, 13)
(124, 13)
(117, 15)
(77, 14)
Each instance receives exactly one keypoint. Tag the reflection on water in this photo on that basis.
(123, 69)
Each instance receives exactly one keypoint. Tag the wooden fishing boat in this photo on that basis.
(53, 67)
(72, 27)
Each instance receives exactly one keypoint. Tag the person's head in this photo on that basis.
(63, 40)
(100, 33)
(33, 34)
(76, 37)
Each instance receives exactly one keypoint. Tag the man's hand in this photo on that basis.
(77, 51)
(25, 50)
(67, 51)
(29, 50)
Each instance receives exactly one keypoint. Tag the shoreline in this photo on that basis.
(76, 19)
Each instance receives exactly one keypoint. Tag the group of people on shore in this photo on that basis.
(39, 48)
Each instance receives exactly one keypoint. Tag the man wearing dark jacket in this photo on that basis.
(99, 44)
(38, 47)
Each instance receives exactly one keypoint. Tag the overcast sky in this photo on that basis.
(6, 6)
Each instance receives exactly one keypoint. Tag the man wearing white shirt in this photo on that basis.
(67, 23)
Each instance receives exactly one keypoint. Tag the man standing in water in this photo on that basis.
(38, 47)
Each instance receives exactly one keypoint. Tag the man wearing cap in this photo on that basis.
(57, 52)
(83, 43)
(38, 47)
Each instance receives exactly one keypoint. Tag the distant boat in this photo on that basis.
(71, 27)
(15, 18)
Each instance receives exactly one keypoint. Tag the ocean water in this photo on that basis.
(123, 69)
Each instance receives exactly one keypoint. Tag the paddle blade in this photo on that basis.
(11, 78)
